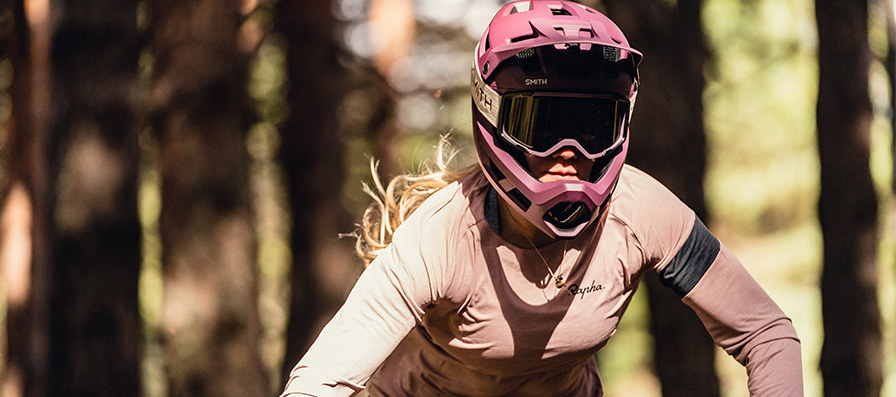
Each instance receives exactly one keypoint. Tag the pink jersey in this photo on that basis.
(450, 308)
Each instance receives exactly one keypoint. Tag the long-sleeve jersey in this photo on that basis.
(450, 308)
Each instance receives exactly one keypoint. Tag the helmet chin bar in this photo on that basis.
(541, 203)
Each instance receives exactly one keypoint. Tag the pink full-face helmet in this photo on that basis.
(550, 75)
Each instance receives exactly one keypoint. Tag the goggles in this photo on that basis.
(542, 123)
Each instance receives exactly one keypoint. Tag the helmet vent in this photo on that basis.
(522, 6)
(560, 11)
(526, 37)
(525, 53)
(520, 199)
(567, 215)
(529, 61)
(612, 54)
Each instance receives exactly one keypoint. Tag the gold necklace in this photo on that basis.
(558, 278)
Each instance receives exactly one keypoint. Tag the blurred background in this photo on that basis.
(179, 181)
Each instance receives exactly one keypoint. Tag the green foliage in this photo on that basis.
(762, 180)
(760, 103)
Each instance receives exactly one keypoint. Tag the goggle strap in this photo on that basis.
(486, 99)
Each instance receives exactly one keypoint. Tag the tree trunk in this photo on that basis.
(200, 116)
(97, 331)
(72, 295)
(383, 131)
(28, 207)
(851, 362)
(312, 158)
(669, 142)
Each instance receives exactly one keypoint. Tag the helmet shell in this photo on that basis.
(557, 47)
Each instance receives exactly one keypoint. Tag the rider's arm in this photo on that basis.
(745, 321)
(738, 313)
(383, 306)
(374, 319)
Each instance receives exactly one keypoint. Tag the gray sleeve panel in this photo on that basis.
(692, 260)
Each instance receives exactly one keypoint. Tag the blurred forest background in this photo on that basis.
(176, 176)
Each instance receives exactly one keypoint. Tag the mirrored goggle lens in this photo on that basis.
(538, 123)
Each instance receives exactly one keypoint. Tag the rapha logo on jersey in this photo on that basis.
(575, 289)
(536, 81)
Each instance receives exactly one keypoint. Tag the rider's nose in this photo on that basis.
(565, 154)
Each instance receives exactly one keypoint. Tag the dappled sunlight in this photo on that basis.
(15, 248)
(407, 70)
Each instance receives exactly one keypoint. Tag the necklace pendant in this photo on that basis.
(558, 281)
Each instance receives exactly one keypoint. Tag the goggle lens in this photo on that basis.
(539, 123)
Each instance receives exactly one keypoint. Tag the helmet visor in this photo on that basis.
(540, 124)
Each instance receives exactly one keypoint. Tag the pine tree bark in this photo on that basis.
(851, 361)
(200, 117)
(668, 140)
(75, 318)
(311, 155)
(97, 331)
(27, 207)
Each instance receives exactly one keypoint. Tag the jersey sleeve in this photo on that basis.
(736, 311)
(383, 307)
(743, 320)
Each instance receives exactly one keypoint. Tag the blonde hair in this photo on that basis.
(399, 198)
